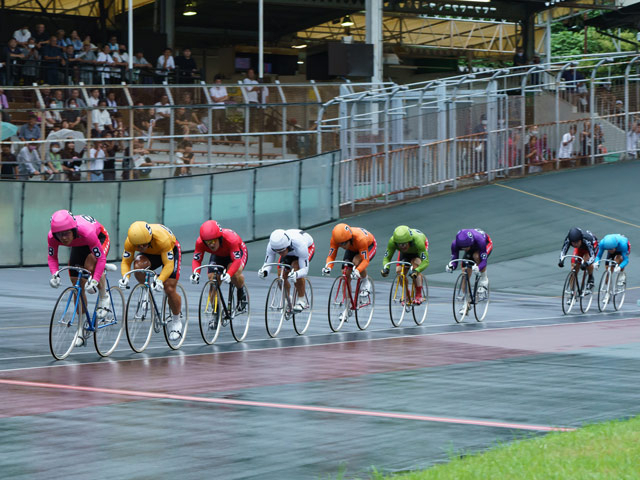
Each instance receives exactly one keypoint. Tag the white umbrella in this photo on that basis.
(66, 134)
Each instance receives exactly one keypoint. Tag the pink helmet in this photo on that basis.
(210, 230)
(63, 220)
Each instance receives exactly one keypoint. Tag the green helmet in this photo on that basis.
(402, 234)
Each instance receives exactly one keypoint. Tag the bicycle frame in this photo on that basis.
(285, 278)
(403, 276)
(576, 270)
(218, 270)
(347, 284)
(466, 264)
(147, 274)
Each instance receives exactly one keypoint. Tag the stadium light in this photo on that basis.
(347, 22)
(190, 9)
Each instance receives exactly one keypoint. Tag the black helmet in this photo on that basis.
(575, 235)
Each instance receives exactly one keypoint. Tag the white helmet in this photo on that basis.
(279, 240)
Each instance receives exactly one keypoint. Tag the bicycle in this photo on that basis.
(143, 316)
(608, 289)
(402, 295)
(345, 301)
(281, 297)
(574, 289)
(214, 312)
(66, 327)
(464, 296)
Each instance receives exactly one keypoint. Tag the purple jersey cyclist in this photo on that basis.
(477, 246)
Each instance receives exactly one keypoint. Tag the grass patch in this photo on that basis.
(603, 451)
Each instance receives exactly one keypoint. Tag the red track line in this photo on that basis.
(308, 408)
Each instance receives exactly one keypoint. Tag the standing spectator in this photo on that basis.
(96, 162)
(110, 147)
(565, 152)
(253, 97)
(71, 67)
(187, 158)
(619, 114)
(31, 62)
(141, 69)
(87, 41)
(76, 41)
(53, 160)
(22, 35)
(14, 56)
(219, 96)
(100, 120)
(186, 67)
(8, 163)
(165, 64)
(87, 59)
(52, 56)
(63, 41)
(28, 162)
(72, 116)
(598, 139)
(71, 163)
(585, 140)
(520, 59)
(40, 35)
(94, 97)
(533, 157)
(4, 105)
(30, 130)
(104, 62)
(163, 114)
(113, 43)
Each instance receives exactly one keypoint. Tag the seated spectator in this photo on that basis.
(58, 98)
(143, 119)
(41, 36)
(29, 163)
(30, 130)
(14, 57)
(141, 69)
(71, 161)
(46, 95)
(52, 116)
(187, 158)
(100, 120)
(104, 62)
(94, 97)
(219, 96)
(165, 64)
(163, 114)
(31, 66)
(22, 35)
(72, 116)
(141, 160)
(79, 101)
(8, 163)
(186, 67)
(96, 162)
(87, 60)
(76, 41)
(112, 103)
(52, 60)
(184, 124)
(53, 160)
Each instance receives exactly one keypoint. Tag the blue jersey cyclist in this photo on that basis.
(585, 245)
(617, 247)
(477, 246)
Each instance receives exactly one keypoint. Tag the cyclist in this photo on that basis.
(413, 247)
(360, 248)
(228, 250)
(585, 245)
(89, 242)
(158, 246)
(296, 248)
(617, 247)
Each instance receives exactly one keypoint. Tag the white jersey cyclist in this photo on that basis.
(290, 245)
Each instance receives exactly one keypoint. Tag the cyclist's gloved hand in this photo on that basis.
(413, 274)
(326, 271)
(262, 273)
(617, 269)
(561, 263)
(54, 281)
(355, 274)
(475, 269)
(448, 268)
(225, 278)
(195, 278)
(91, 287)
(583, 266)
(596, 265)
(384, 272)
(293, 276)
(124, 282)
(158, 286)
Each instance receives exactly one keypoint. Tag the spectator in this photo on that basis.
(113, 44)
(71, 61)
(219, 96)
(104, 61)
(619, 114)
(96, 162)
(72, 116)
(184, 124)
(252, 92)
(71, 163)
(187, 157)
(163, 114)
(186, 65)
(111, 147)
(76, 41)
(52, 56)
(52, 116)
(41, 36)
(141, 69)
(22, 35)
(75, 96)
(165, 64)
(87, 41)
(533, 156)
(30, 130)
(14, 56)
(100, 119)
(58, 98)
(87, 59)
(94, 97)
(142, 119)
(30, 69)
(8, 163)
(585, 140)
(53, 160)
(141, 160)
(598, 139)
(4, 105)
(63, 41)
(565, 152)
(112, 103)
(28, 162)
(520, 59)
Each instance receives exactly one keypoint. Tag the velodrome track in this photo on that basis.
(314, 406)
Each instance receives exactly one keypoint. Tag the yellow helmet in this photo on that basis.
(139, 233)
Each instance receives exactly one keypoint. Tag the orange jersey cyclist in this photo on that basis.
(158, 247)
(360, 248)
(228, 250)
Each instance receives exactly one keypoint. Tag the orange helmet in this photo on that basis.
(341, 233)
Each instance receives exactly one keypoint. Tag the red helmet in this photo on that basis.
(63, 220)
(210, 230)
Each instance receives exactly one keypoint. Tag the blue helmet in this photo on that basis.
(464, 238)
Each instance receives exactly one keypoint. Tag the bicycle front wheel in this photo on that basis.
(210, 313)
(169, 326)
(274, 308)
(569, 292)
(398, 300)
(619, 290)
(302, 320)
(460, 301)
(586, 297)
(240, 313)
(339, 305)
(420, 309)
(140, 317)
(481, 304)
(66, 324)
(366, 301)
(108, 330)
(604, 295)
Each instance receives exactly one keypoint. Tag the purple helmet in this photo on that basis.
(464, 238)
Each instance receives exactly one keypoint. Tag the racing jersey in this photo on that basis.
(231, 245)
(589, 241)
(418, 246)
(617, 241)
(88, 231)
(481, 244)
(359, 243)
(162, 242)
(300, 243)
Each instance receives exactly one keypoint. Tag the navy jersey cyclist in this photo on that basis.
(585, 245)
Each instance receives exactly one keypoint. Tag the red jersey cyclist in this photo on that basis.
(89, 242)
(360, 248)
(158, 247)
(228, 250)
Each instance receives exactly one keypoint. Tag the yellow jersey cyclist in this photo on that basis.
(158, 247)
(413, 247)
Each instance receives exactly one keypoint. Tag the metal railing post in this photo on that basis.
(592, 107)
(627, 72)
(557, 115)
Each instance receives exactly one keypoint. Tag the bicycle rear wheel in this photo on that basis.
(209, 313)
(365, 298)
(398, 299)
(587, 297)
(339, 304)
(167, 316)
(460, 298)
(302, 320)
(140, 317)
(481, 304)
(66, 324)
(274, 308)
(569, 292)
(604, 295)
(239, 315)
(619, 290)
(420, 310)
(108, 330)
